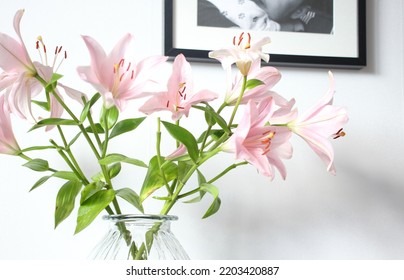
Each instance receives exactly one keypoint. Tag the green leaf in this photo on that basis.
(88, 105)
(37, 165)
(214, 207)
(183, 168)
(90, 189)
(210, 114)
(185, 137)
(125, 126)
(44, 105)
(130, 196)
(153, 180)
(65, 200)
(201, 180)
(218, 118)
(113, 158)
(111, 115)
(74, 139)
(40, 182)
(53, 121)
(214, 133)
(92, 207)
(98, 177)
(98, 128)
(114, 169)
(210, 120)
(52, 82)
(252, 83)
(67, 175)
(55, 77)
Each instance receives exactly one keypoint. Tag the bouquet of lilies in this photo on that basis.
(256, 130)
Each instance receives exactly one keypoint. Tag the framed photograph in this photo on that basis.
(304, 33)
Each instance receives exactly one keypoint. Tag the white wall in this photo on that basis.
(358, 214)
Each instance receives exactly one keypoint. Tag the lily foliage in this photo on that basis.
(256, 130)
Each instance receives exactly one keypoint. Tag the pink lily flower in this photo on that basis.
(117, 79)
(258, 141)
(8, 144)
(270, 76)
(19, 79)
(321, 122)
(243, 53)
(19, 71)
(179, 96)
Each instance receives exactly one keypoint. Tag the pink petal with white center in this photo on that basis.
(117, 79)
(320, 123)
(8, 143)
(262, 145)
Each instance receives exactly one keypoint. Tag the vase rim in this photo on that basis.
(134, 217)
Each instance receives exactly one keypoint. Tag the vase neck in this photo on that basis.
(142, 220)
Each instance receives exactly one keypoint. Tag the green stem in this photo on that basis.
(86, 136)
(240, 97)
(92, 125)
(158, 150)
(177, 122)
(69, 163)
(106, 139)
(36, 148)
(104, 168)
(224, 172)
(189, 193)
(71, 114)
(72, 157)
(170, 203)
(206, 136)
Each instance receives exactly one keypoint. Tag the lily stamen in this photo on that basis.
(57, 52)
(268, 136)
(241, 39)
(339, 134)
(120, 71)
(181, 92)
(44, 58)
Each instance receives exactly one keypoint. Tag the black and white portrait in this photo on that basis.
(312, 16)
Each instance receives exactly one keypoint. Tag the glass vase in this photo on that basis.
(139, 237)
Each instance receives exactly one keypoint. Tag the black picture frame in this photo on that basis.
(357, 42)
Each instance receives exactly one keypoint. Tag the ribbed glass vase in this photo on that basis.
(139, 237)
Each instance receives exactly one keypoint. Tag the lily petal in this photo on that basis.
(8, 143)
(320, 123)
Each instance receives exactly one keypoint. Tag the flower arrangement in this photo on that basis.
(257, 129)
